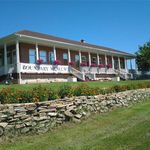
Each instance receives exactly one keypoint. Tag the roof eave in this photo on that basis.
(8, 38)
(21, 36)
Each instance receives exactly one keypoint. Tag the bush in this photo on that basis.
(65, 91)
(86, 90)
(40, 94)
(25, 96)
(52, 94)
(8, 95)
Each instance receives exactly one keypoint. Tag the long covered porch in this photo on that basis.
(15, 55)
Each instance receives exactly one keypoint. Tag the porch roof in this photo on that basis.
(67, 41)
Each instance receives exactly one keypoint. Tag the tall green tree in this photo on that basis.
(143, 57)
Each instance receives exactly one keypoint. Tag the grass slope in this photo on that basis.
(121, 129)
(56, 85)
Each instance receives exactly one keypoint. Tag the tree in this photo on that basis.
(143, 57)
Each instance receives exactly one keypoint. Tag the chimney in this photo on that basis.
(82, 41)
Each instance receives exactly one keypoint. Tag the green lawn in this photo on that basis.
(121, 129)
(56, 85)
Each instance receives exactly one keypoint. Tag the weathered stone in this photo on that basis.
(40, 118)
(44, 110)
(42, 114)
(68, 114)
(103, 103)
(84, 113)
(60, 115)
(18, 126)
(31, 123)
(59, 122)
(60, 106)
(3, 124)
(31, 108)
(3, 116)
(69, 108)
(42, 130)
(19, 115)
(25, 130)
(76, 120)
(1, 131)
(52, 114)
(20, 109)
(78, 116)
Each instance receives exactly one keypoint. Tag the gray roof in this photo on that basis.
(54, 38)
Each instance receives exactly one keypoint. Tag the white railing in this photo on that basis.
(110, 71)
(11, 68)
(91, 76)
(123, 74)
(77, 73)
(96, 70)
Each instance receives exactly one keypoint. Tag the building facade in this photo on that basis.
(31, 57)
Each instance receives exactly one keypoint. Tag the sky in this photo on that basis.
(119, 24)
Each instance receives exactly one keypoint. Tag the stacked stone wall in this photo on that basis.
(33, 118)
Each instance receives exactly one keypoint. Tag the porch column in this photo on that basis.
(37, 52)
(80, 60)
(130, 64)
(18, 61)
(5, 58)
(97, 59)
(17, 52)
(69, 57)
(112, 62)
(119, 63)
(89, 59)
(54, 51)
(125, 62)
(105, 59)
(136, 67)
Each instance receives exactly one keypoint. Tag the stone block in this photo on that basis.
(68, 114)
(52, 114)
(78, 116)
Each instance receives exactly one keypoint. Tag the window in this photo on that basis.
(76, 58)
(93, 60)
(65, 56)
(43, 56)
(14, 60)
(32, 56)
(116, 63)
(1, 59)
(9, 57)
(100, 60)
(51, 57)
(122, 63)
(83, 58)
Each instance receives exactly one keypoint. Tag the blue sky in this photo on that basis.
(119, 24)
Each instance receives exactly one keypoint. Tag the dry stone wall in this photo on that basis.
(29, 118)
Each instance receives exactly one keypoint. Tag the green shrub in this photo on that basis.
(65, 91)
(8, 95)
(52, 94)
(84, 89)
(40, 94)
(25, 96)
